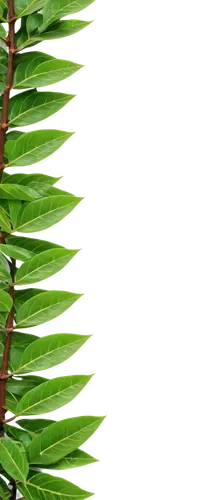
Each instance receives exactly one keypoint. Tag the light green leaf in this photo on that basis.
(13, 459)
(21, 296)
(4, 269)
(44, 307)
(5, 302)
(4, 221)
(55, 9)
(31, 244)
(43, 486)
(61, 438)
(46, 190)
(36, 69)
(3, 33)
(16, 252)
(34, 426)
(11, 402)
(33, 22)
(50, 351)
(15, 207)
(51, 395)
(43, 213)
(77, 458)
(26, 179)
(43, 265)
(3, 61)
(26, 7)
(59, 29)
(19, 435)
(31, 106)
(13, 192)
(19, 387)
(33, 147)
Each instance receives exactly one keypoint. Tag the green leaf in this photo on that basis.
(21, 296)
(50, 351)
(43, 265)
(31, 106)
(51, 395)
(35, 426)
(61, 438)
(15, 207)
(13, 459)
(19, 387)
(22, 340)
(3, 61)
(43, 486)
(33, 147)
(55, 9)
(26, 7)
(33, 23)
(11, 402)
(43, 213)
(4, 221)
(4, 269)
(19, 435)
(27, 179)
(5, 302)
(59, 29)
(16, 252)
(4, 491)
(46, 190)
(13, 192)
(44, 307)
(3, 33)
(77, 458)
(32, 245)
(36, 69)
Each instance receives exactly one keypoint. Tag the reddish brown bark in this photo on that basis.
(9, 81)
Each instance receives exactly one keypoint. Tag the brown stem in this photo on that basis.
(9, 81)
(13, 490)
(6, 353)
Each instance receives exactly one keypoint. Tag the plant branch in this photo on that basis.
(10, 325)
(9, 81)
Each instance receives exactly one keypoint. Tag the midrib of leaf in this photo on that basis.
(64, 439)
(16, 466)
(32, 150)
(39, 268)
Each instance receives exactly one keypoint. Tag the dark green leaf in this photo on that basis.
(21, 296)
(61, 29)
(19, 386)
(19, 435)
(31, 244)
(4, 491)
(35, 426)
(26, 7)
(13, 192)
(4, 221)
(26, 179)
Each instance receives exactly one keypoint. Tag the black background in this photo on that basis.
(90, 165)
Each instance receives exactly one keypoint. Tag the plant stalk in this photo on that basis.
(6, 354)
(9, 81)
